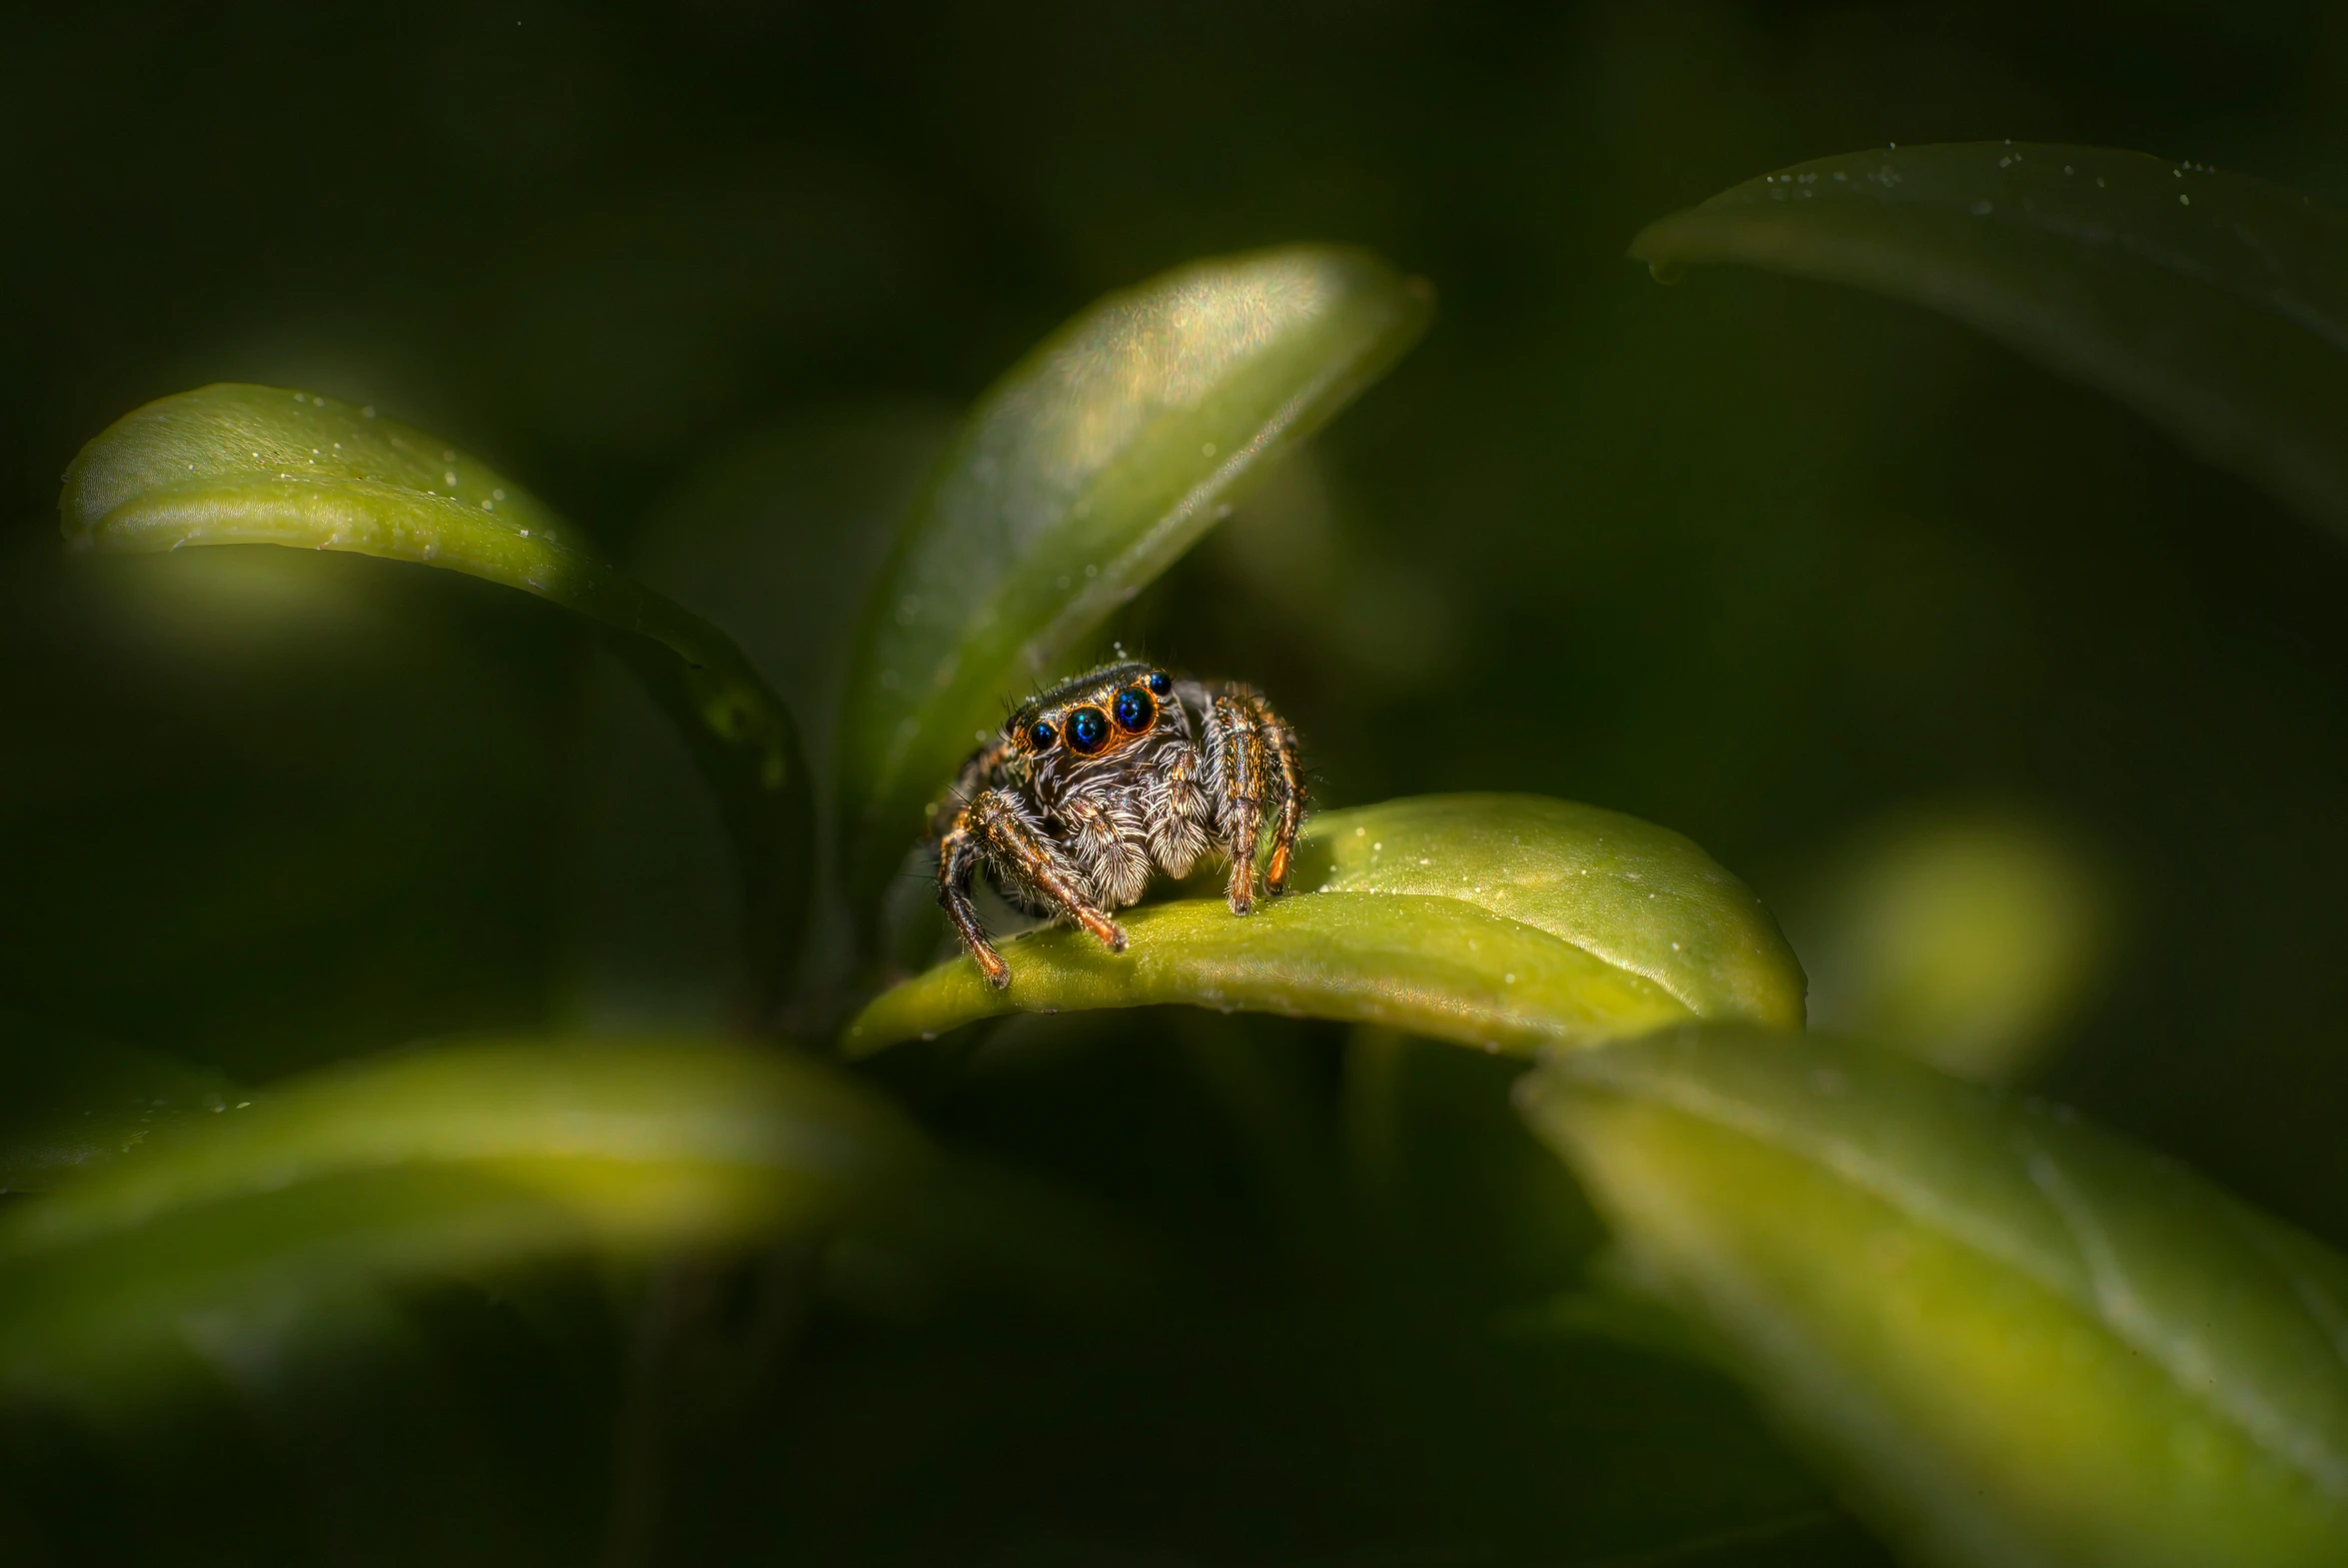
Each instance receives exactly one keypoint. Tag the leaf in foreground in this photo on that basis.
(451, 1158)
(1501, 921)
(2014, 1339)
(1079, 477)
(2214, 303)
(242, 465)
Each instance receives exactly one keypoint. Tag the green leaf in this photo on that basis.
(71, 1105)
(777, 539)
(2214, 303)
(1080, 474)
(428, 1161)
(2012, 1339)
(240, 464)
(1966, 941)
(1501, 921)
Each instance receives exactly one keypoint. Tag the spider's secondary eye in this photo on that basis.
(1088, 730)
(1161, 682)
(1040, 738)
(1134, 709)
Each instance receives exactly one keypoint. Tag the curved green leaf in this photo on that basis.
(2212, 302)
(240, 464)
(1080, 474)
(2014, 1340)
(1501, 922)
(71, 1105)
(432, 1161)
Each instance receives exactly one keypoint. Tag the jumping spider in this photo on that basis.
(1098, 780)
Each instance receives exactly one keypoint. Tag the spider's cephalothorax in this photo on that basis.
(1103, 779)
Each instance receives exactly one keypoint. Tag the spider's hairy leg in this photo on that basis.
(1236, 747)
(1011, 844)
(983, 766)
(958, 858)
(1288, 772)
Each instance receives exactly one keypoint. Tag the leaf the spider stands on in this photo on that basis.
(240, 464)
(2012, 1338)
(1080, 474)
(2214, 303)
(426, 1162)
(1499, 921)
(75, 1103)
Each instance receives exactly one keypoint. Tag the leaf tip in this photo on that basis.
(1653, 247)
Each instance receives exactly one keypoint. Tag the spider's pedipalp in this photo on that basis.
(1178, 812)
(1110, 846)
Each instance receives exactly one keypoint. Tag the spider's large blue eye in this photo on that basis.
(1161, 682)
(1088, 730)
(1040, 738)
(1134, 709)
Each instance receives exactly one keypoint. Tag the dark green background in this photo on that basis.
(1759, 560)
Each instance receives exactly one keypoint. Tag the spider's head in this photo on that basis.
(1095, 716)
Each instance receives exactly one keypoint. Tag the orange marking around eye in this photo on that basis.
(1119, 738)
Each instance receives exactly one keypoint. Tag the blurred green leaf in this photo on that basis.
(454, 1157)
(776, 538)
(1502, 922)
(1080, 474)
(2214, 303)
(241, 465)
(2014, 1339)
(1968, 942)
(73, 1103)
